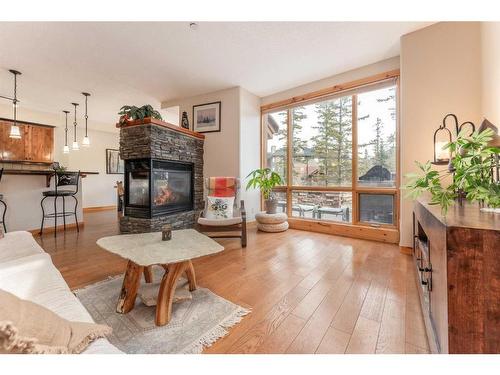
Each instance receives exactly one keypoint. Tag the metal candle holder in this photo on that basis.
(443, 128)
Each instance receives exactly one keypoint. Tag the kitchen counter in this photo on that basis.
(48, 173)
(22, 187)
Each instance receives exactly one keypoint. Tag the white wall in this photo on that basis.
(490, 79)
(440, 73)
(249, 147)
(221, 156)
(98, 190)
(171, 115)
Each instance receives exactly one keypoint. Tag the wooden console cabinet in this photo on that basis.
(36, 144)
(458, 275)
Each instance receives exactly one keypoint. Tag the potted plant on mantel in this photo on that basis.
(266, 180)
(473, 170)
(131, 112)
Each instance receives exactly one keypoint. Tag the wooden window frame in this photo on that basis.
(357, 228)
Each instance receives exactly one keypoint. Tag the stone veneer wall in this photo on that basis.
(158, 142)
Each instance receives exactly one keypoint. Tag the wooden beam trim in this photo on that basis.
(354, 160)
(152, 121)
(348, 230)
(322, 188)
(331, 90)
(99, 208)
(289, 159)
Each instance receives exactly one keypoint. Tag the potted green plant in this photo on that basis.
(131, 112)
(471, 170)
(266, 180)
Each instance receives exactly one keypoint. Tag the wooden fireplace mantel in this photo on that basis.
(149, 120)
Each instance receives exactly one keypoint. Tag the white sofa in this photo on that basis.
(28, 272)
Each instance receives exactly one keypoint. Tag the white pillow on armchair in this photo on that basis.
(219, 208)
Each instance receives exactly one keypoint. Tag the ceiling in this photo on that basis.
(139, 62)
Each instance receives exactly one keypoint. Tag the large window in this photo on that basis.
(337, 155)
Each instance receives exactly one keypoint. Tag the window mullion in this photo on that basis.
(354, 158)
(289, 163)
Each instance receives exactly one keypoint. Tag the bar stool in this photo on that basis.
(63, 179)
(4, 206)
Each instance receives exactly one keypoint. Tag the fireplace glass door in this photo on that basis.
(139, 187)
(157, 187)
(171, 187)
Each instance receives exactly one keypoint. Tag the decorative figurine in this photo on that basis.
(166, 232)
(185, 120)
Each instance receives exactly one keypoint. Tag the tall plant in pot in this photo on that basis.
(266, 180)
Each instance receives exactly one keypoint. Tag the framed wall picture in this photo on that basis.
(206, 117)
(114, 164)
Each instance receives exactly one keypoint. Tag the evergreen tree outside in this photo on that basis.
(298, 145)
(381, 149)
(379, 145)
(333, 143)
(364, 161)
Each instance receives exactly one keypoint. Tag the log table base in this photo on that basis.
(173, 272)
(143, 250)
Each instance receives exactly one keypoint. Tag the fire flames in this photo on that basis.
(164, 195)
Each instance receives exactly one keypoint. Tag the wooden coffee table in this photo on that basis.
(147, 249)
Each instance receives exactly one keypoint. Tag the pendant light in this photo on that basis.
(75, 146)
(86, 139)
(15, 132)
(66, 147)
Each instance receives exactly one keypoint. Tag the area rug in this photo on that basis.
(196, 323)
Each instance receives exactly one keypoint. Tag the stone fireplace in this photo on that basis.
(163, 176)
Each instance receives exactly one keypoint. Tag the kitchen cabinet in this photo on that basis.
(36, 144)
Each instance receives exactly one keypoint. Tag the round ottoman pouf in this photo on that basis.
(271, 222)
(281, 227)
(277, 218)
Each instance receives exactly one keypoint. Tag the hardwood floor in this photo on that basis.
(309, 292)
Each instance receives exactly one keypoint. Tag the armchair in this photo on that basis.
(224, 227)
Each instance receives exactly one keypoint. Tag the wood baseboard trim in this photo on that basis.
(99, 208)
(59, 228)
(353, 231)
(406, 250)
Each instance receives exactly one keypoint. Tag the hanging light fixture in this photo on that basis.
(75, 146)
(86, 139)
(15, 132)
(66, 147)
